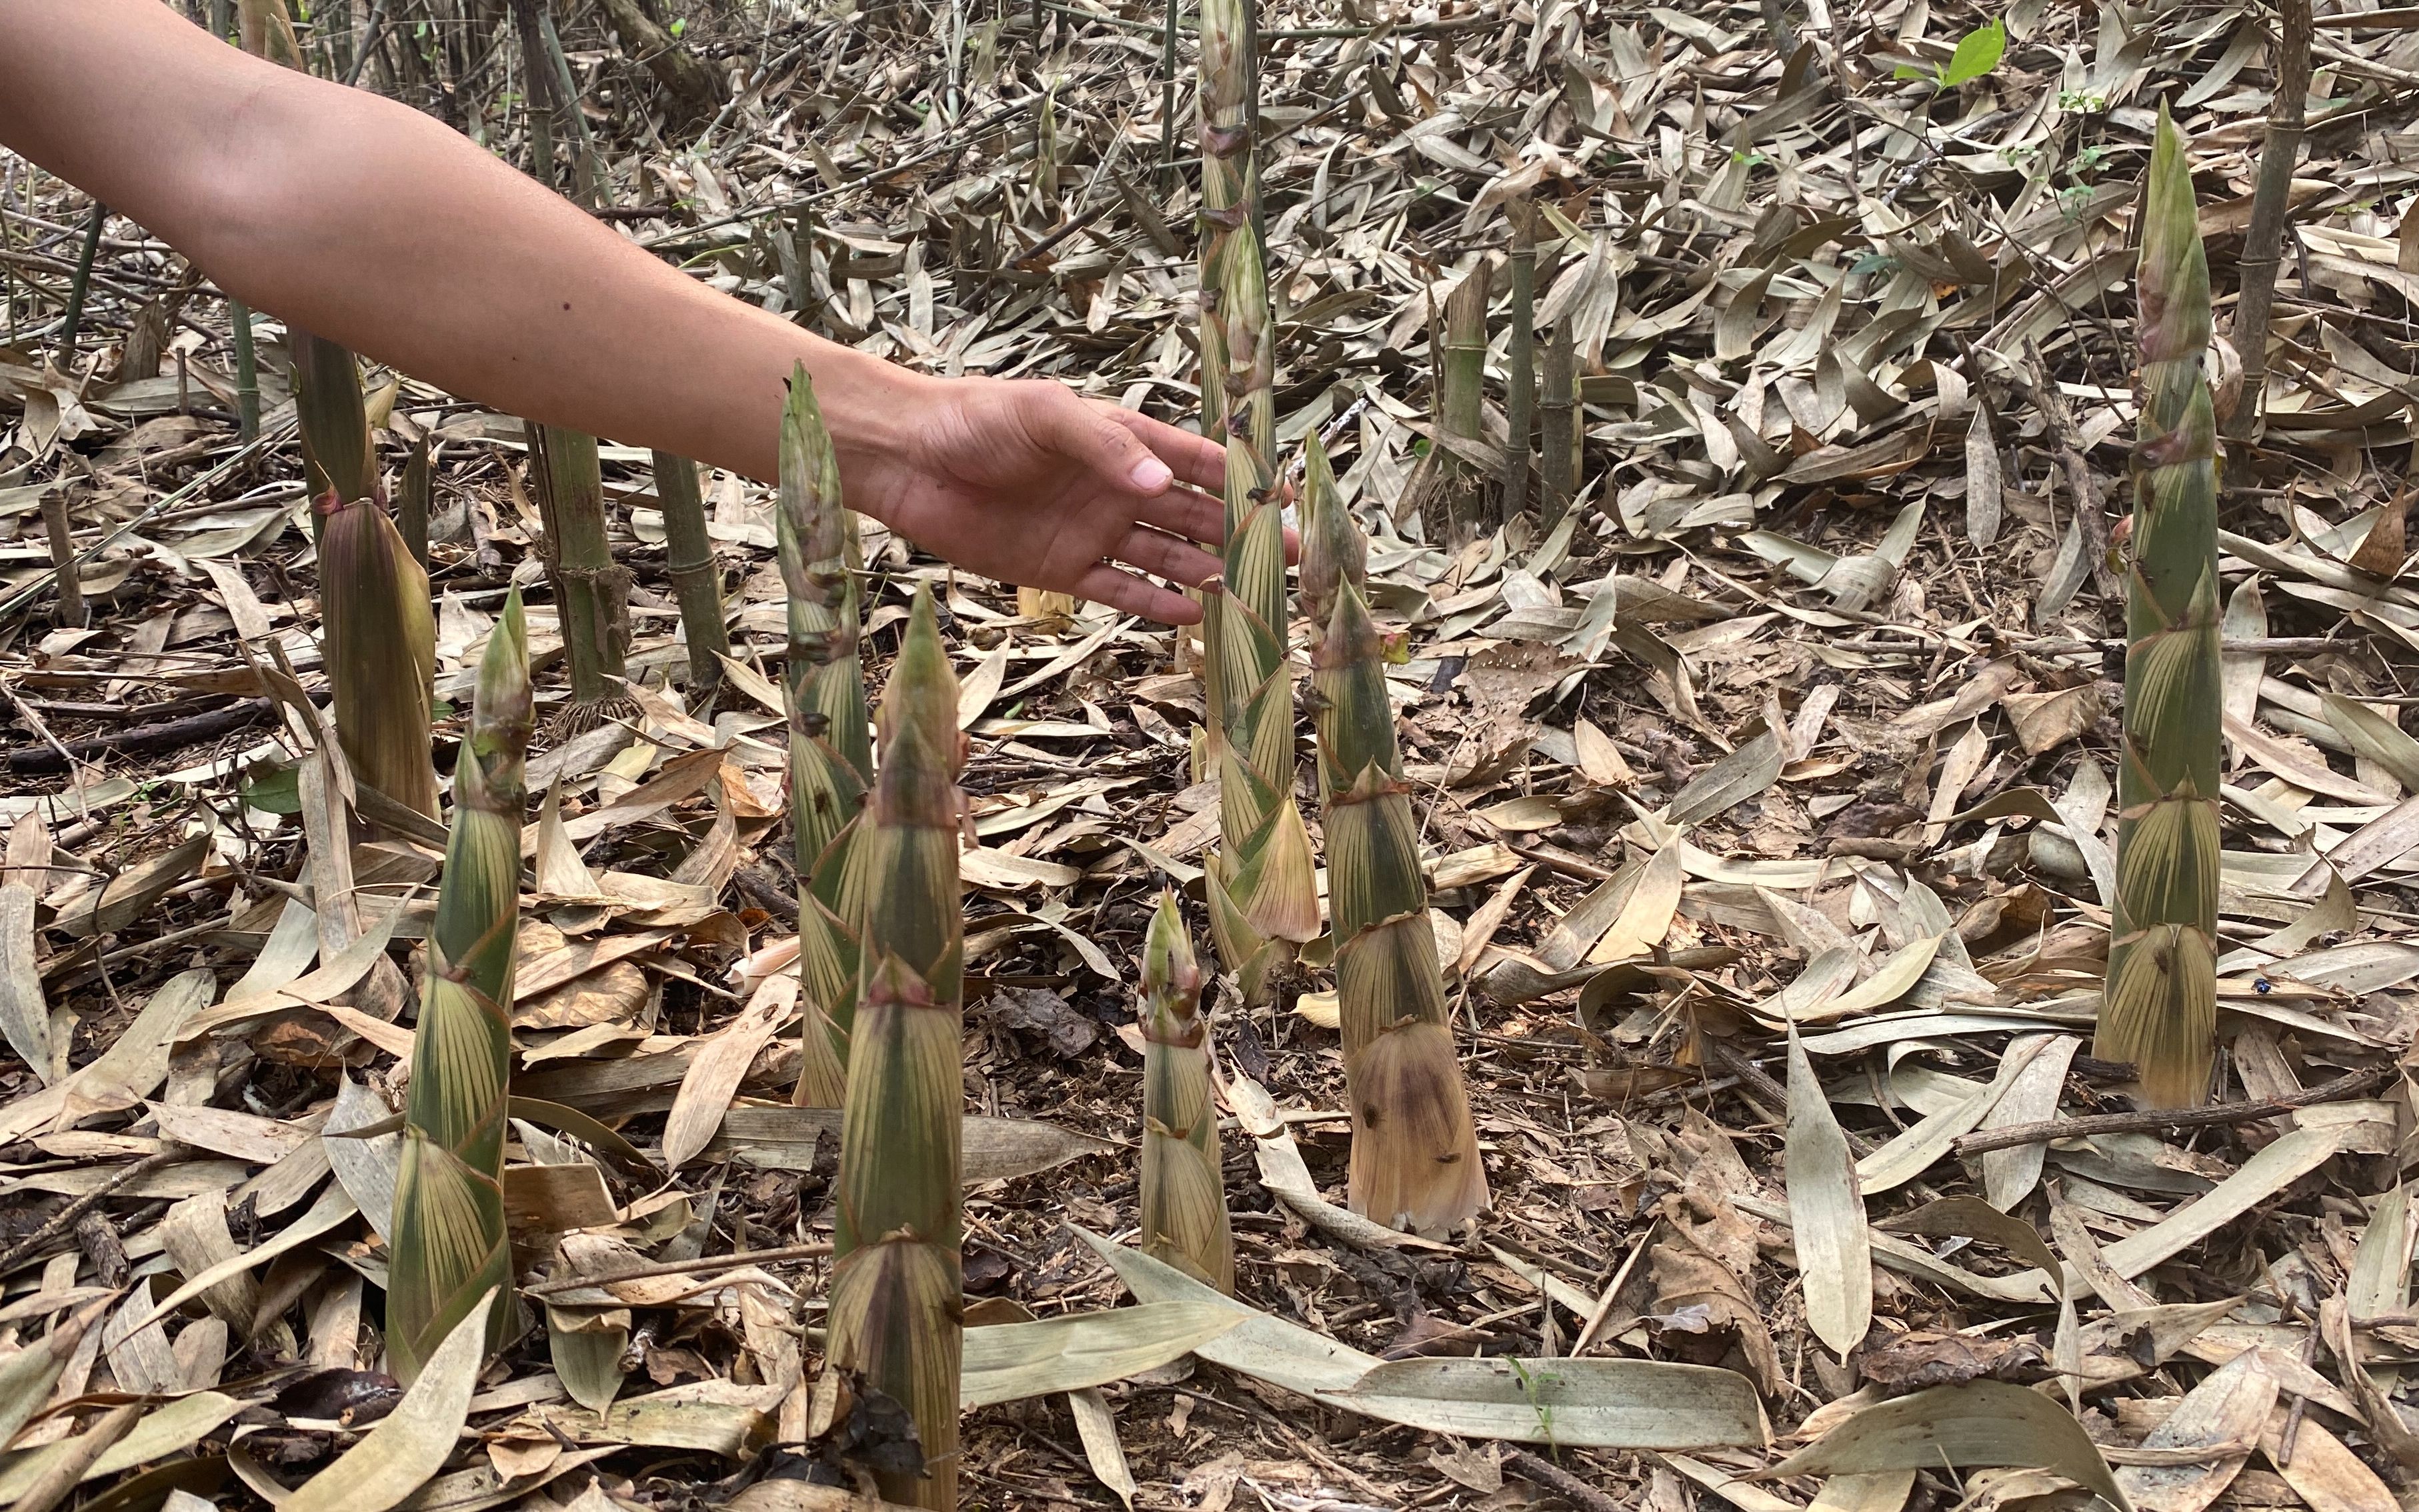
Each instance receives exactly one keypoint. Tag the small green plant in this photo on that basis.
(1537, 1404)
(1978, 53)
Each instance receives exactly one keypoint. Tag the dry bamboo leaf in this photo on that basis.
(1883, 1491)
(1914, 1149)
(1647, 916)
(169, 1429)
(411, 1444)
(1593, 1403)
(1287, 1177)
(133, 1066)
(365, 1165)
(714, 1076)
(24, 1013)
(1977, 1423)
(1826, 1213)
(1729, 783)
(1096, 1425)
(978, 687)
(1981, 480)
(995, 1149)
(1601, 762)
(1264, 1348)
(2219, 1420)
(2008, 1176)
(1011, 1361)
(2245, 619)
(2320, 1469)
(2376, 736)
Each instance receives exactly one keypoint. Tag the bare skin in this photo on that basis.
(364, 221)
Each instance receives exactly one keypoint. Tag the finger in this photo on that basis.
(1090, 434)
(1162, 555)
(1196, 459)
(1187, 512)
(1129, 595)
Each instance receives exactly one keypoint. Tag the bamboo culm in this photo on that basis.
(1521, 377)
(592, 593)
(2271, 202)
(696, 574)
(1557, 428)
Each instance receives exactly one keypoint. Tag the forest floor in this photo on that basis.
(1809, 705)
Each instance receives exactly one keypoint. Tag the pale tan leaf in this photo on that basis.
(715, 1073)
(2220, 1419)
(1096, 1425)
(412, 1443)
(1976, 1423)
(1009, 1362)
(1646, 918)
(1826, 1213)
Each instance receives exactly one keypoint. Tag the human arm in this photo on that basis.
(365, 221)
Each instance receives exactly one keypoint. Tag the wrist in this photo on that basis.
(876, 412)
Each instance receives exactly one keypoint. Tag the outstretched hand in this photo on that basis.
(1026, 482)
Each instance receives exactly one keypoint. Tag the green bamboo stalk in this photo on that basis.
(449, 1241)
(696, 575)
(2160, 1010)
(1558, 434)
(1520, 378)
(1262, 898)
(592, 594)
(831, 758)
(380, 628)
(1415, 1161)
(1184, 1219)
(897, 1276)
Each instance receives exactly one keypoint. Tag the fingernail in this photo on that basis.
(1152, 475)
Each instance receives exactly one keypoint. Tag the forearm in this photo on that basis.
(365, 221)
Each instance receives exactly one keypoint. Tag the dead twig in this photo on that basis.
(1555, 1478)
(703, 1262)
(65, 1219)
(2098, 1124)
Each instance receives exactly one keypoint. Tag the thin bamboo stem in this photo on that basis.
(1521, 377)
(1558, 428)
(592, 594)
(2271, 205)
(63, 558)
(247, 374)
(696, 575)
(72, 324)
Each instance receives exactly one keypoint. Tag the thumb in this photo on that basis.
(1090, 434)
